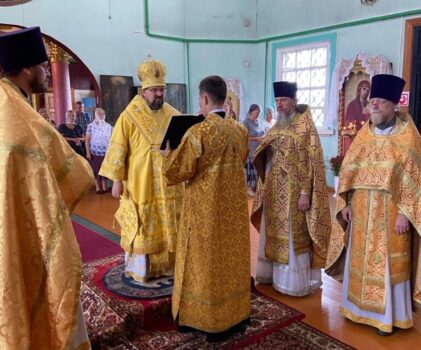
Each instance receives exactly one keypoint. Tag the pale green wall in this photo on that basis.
(282, 17)
(204, 19)
(227, 60)
(117, 45)
(107, 46)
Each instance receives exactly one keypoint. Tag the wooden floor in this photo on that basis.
(321, 308)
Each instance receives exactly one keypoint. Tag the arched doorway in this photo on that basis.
(71, 80)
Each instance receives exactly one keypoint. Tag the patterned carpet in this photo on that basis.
(121, 321)
(115, 281)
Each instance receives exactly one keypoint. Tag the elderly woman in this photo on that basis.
(269, 120)
(73, 133)
(256, 130)
(98, 134)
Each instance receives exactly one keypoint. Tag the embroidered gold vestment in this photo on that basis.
(296, 167)
(212, 271)
(41, 181)
(383, 175)
(134, 157)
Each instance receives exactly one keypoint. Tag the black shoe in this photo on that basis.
(216, 337)
(383, 333)
(246, 322)
(185, 329)
(239, 327)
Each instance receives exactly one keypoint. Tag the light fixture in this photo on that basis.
(368, 2)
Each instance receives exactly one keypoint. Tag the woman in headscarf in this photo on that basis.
(269, 120)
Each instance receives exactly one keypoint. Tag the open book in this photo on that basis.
(177, 127)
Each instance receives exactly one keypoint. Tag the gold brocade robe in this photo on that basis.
(134, 157)
(383, 174)
(296, 167)
(212, 272)
(41, 180)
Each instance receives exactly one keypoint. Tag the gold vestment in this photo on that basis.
(212, 271)
(296, 167)
(41, 181)
(134, 157)
(382, 174)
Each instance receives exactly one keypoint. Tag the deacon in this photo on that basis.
(378, 213)
(212, 270)
(42, 179)
(149, 210)
(292, 208)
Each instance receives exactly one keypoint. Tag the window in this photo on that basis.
(308, 65)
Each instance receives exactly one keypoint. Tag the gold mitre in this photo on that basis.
(151, 73)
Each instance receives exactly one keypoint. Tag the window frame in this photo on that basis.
(329, 39)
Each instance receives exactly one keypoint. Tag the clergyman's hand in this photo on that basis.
(401, 224)
(347, 213)
(117, 189)
(167, 149)
(304, 202)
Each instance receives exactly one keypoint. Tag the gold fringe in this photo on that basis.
(374, 323)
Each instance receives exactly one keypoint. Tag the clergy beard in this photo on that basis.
(38, 87)
(156, 104)
(283, 119)
(379, 118)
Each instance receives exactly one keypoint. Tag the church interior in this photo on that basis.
(331, 48)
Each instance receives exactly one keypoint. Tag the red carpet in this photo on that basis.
(147, 324)
(92, 245)
(129, 323)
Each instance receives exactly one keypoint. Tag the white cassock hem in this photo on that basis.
(136, 266)
(296, 278)
(398, 299)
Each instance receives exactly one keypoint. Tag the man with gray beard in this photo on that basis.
(375, 244)
(292, 213)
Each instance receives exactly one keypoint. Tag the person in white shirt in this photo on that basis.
(269, 120)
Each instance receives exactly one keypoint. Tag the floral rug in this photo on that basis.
(115, 321)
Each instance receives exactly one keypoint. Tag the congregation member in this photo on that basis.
(269, 120)
(73, 133)
(149, 210)
(42, 180)
(98, 134)
(292, 212)
(256, 130)
(378, 211)
(83, 119)
(212, 271)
